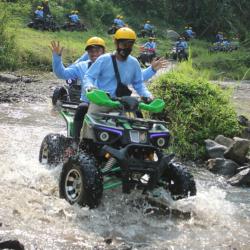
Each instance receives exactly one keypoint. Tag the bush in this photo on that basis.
(8, 52)
(195, 109)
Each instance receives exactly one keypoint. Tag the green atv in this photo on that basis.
(120, 150)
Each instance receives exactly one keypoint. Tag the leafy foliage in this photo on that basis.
(195, 109)
(8, 59)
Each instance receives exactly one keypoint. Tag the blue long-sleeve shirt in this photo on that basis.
(102, 75)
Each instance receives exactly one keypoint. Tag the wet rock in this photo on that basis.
(222, 166)
(5, 77)
(225, 141)
(243, 121)
(241, 179)
(108, 240)
(238, 150)
(11, 244)
(214, 149)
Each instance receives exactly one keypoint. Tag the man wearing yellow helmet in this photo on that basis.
(148, 29)
(74, 18)
(113, 73)
(39, 13)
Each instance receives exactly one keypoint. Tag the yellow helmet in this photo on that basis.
(39, 7)
(118, 16)
(125, 33)
(148, 21)
(76, 11)
(95, 41)
(121, 17)
(72, 12)
(46, 1)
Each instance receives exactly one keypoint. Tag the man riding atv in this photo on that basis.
(147, 30)
(180, 50)
(148, 52)
(74, 22)
(116, 147)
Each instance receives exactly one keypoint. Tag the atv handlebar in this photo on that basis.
(101, 98)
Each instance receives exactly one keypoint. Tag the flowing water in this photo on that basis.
(31, 211)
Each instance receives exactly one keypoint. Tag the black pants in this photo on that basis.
(79, 117)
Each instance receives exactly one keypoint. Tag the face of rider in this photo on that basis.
(94, 52)
(124, 48)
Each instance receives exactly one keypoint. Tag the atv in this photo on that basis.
(47, 23)
(119, 150)
(146, 56)
(70, 92)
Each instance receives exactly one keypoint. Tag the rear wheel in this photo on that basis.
(56, 148)
(81, 181)
(179, 181)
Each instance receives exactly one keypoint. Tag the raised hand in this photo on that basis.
(55, 48)
(159, 63)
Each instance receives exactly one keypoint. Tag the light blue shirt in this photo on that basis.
(150, 45)
(120, 23)
(74, 71)
(74, 18)
(83, 58)
(39, 14)
(148, 27)
(102, 75)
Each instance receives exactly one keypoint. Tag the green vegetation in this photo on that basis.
(195, 109)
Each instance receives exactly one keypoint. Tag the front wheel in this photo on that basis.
(179, 181)
(81, 181)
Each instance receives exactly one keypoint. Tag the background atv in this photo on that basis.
(47, 23)
(70, 92)
(179, 54)
(121, 150)
(70, 26)
(146, 56)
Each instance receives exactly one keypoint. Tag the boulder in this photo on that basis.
(225, 141)
(4, 77)
(214, 149)
(241, 179)
(172, 35)
(238, 150)
(222, 166)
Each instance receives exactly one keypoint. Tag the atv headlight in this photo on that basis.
(104, 136)
(160, 139)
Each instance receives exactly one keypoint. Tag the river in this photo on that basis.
(32, 212)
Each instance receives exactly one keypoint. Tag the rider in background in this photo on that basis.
(151, 46)
(39, 13)
(120, 22)
(189, 32)
(74, 18)
(182, 45)
(46, 10)
(148, 28)
(219, 37)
